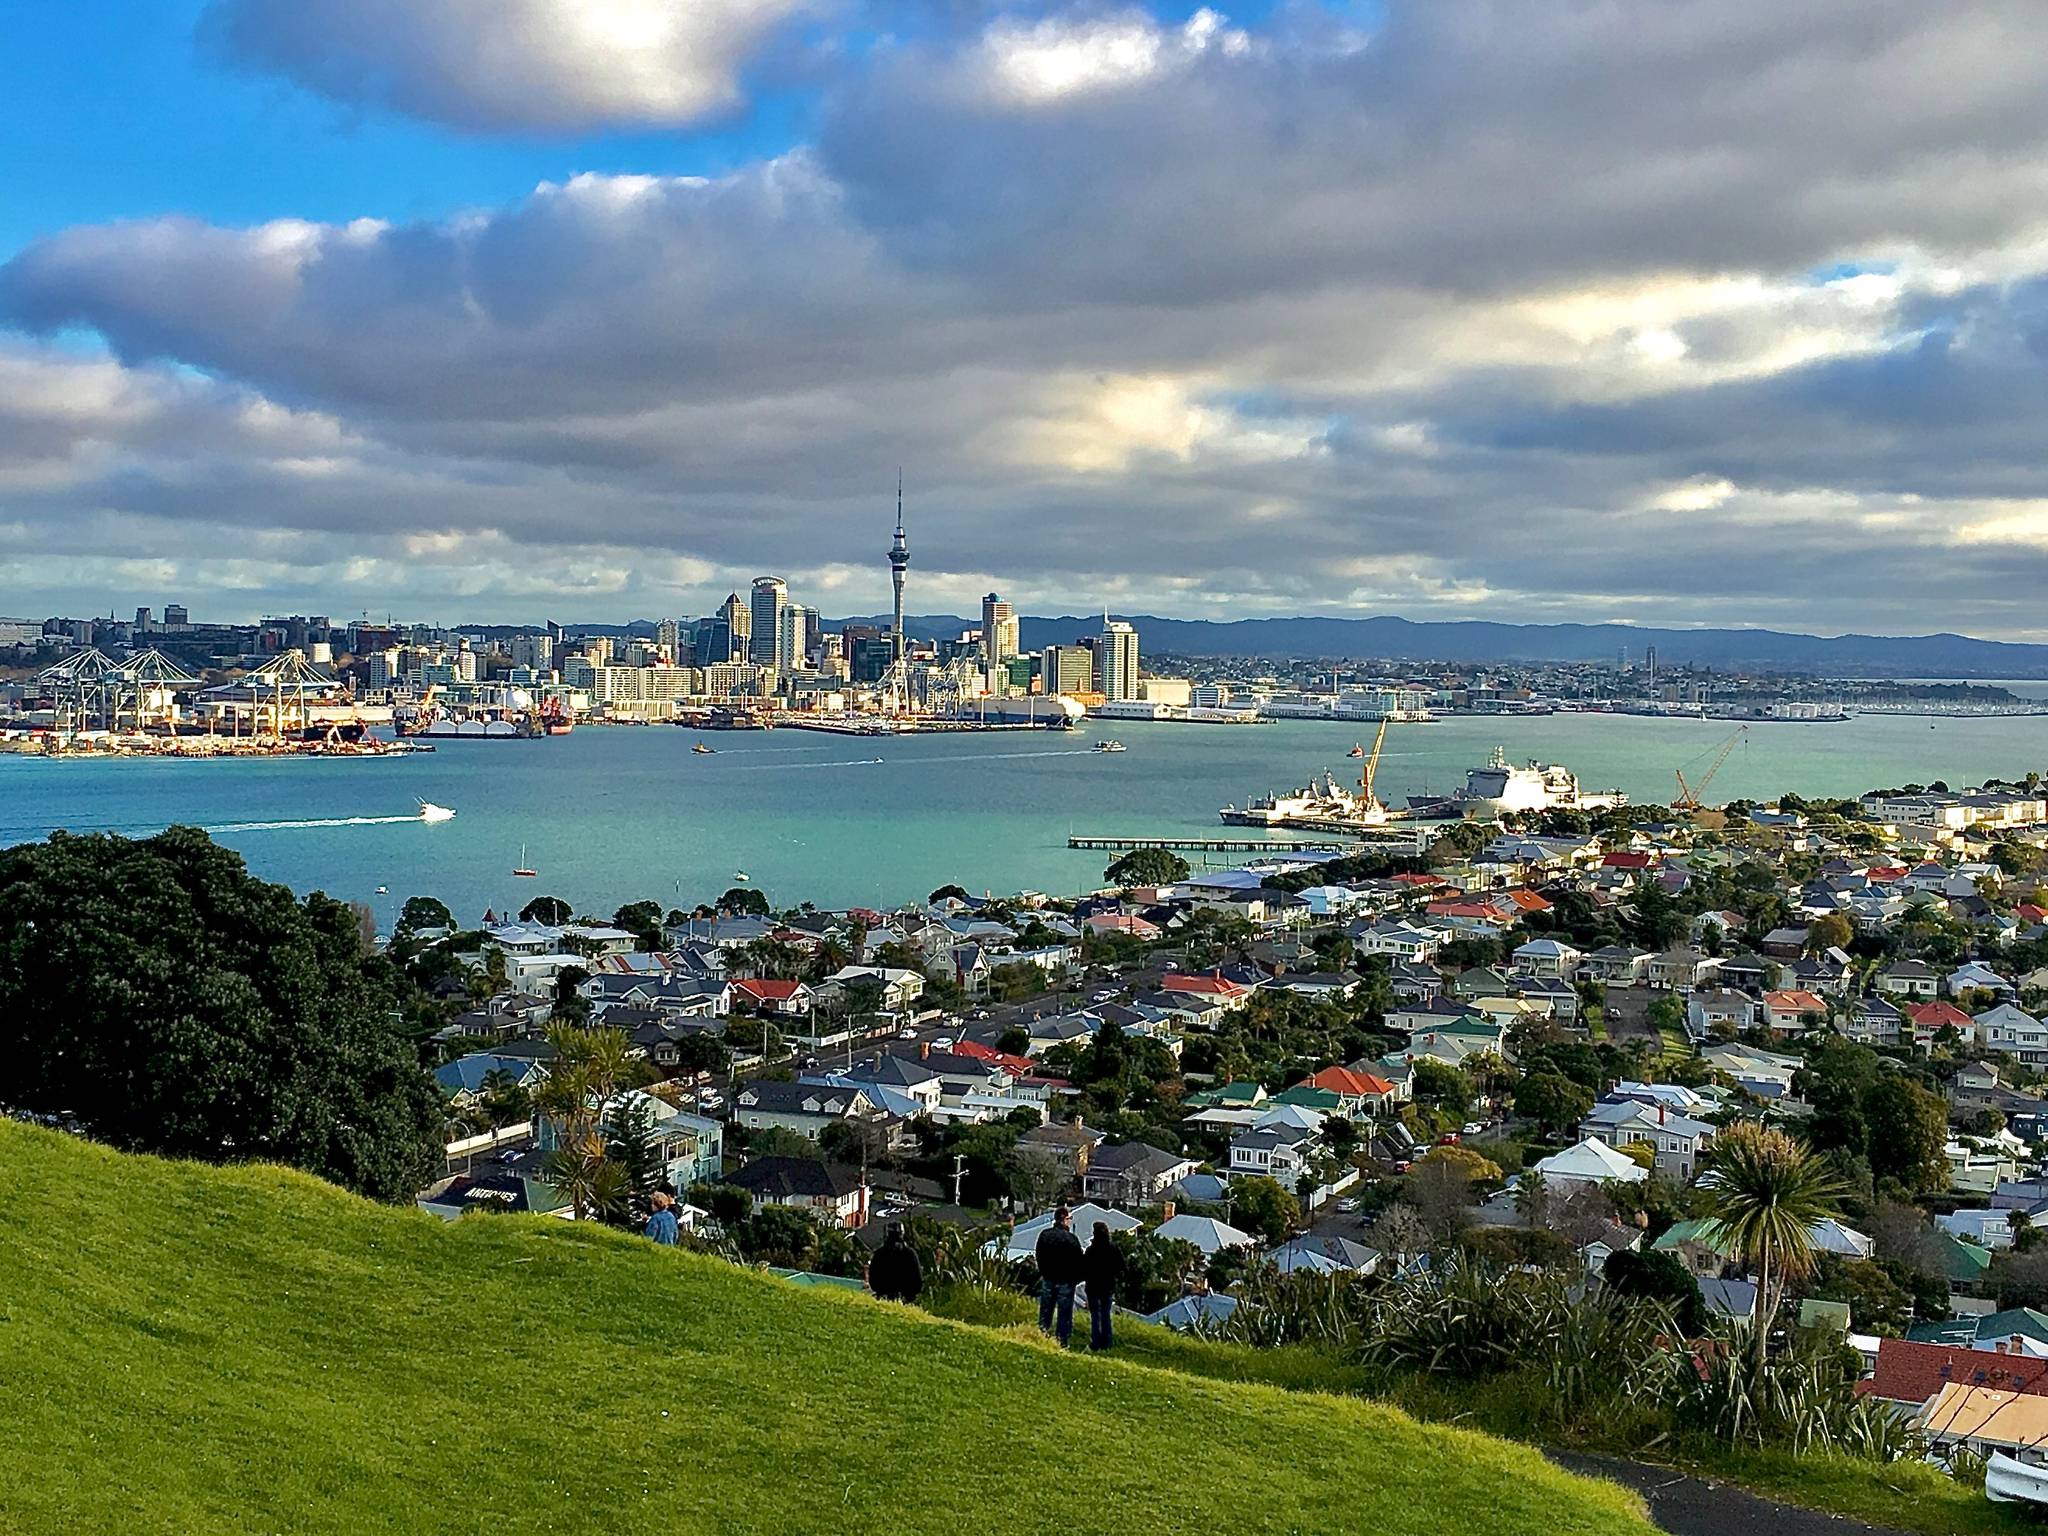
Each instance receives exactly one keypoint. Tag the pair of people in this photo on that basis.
(894, 1273)
(1064, 1264)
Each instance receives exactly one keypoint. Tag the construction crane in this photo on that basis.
(1372, 764)
(1689, 794)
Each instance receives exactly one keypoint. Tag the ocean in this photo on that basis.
(614, 814)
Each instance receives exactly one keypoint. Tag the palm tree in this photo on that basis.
(1768, 1192)
(587, 1072)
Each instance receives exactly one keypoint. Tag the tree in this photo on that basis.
(1659, 1277)
(1399, 1230)
(629, 1143)
(780, 1141)
(1443, 1086)
(642, 919)
(1147, 866)
(743, 901)
(422, 912)
(1767, 1192)
(1552, 1100)
(1471, 1166)
(857, 1142)
(1258, 1204)
(177, 1005)
(550, 911)
(1832, 930)
(1654, 919)
(1908, 1134)
(1532, 1198)
(947, 893)
(587, 1072)
(1877, 1303)
(571, 1006)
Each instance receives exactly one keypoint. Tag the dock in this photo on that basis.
(1212, 844)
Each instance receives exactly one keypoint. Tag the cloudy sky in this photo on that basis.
(1667, 312)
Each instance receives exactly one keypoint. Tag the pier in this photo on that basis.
(1211, 844)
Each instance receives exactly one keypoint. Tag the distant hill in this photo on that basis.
(1940, 655)
(191, 1348)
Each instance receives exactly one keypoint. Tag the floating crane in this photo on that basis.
(1689, 794)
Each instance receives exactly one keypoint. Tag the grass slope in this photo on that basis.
(197, 1349)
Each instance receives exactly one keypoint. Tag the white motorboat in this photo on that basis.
(2008, 1480)
(1109, 746)
(432, 812)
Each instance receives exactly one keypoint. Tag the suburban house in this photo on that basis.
(898, 988)
(1793, 1012)
(1909, 978)
(1132, 1173)
(1358, 1092)
(1618, 965)
(771, 995)
(1678, 1138)
(1211, 987)
(823, 1189)
(806, 1108)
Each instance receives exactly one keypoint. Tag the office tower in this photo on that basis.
(899, 563)
(175, 616)
(739, 626)
(1067, 669)
(792, 637)
(770, 597)
(142, 618)
(535, 651)
(1116, 658)
(668, 634)
(998, 632)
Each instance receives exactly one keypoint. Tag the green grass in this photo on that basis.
(192, 1349)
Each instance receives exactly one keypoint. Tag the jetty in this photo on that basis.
(1210, 844)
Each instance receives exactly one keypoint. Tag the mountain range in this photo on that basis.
(1473, 640)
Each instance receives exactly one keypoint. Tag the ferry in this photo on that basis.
(432, 812)
(1111, 745)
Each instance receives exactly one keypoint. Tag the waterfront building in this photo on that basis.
(770, 597)
(1116, 661)
(1067, 669)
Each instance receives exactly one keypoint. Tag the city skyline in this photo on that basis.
(1443, 310)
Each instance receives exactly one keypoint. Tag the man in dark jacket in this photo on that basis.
(894, 1273)
(1103, 1265)
(1059, 1271)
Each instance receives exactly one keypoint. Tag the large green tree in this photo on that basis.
(178, 1005)
(1908, 1134)
(1147, 866)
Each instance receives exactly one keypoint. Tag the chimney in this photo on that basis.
(924, 1050)
(1166, 1210)
(1660, 1111)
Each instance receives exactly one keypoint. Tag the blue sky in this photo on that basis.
(1715, 311)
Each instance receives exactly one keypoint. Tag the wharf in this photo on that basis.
(1212, 844)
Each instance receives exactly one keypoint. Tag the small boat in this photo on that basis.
(522, 870)
(742, 876)
(1109, 746)
(700, 747)
(432, 812)
(383, 890)
(1357, 750)
(2008, 1480)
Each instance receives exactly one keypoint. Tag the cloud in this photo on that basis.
(494, 65)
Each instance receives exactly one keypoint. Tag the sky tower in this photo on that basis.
(899, 562)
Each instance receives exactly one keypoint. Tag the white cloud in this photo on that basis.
(509, 64)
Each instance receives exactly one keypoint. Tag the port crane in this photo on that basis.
(1372, 764)
(1689, 793)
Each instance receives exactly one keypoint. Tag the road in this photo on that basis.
(1693, 1506)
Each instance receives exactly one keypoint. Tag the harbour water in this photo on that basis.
(611, 815)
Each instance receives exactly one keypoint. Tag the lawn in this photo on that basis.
(191, 1349)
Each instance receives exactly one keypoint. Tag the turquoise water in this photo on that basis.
(611, 815)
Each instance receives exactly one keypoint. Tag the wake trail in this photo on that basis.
(313, 821)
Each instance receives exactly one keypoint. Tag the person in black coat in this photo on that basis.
(894, 1273)
(1059, 1271)
(1103, 1266)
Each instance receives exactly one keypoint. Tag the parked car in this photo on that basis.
(942, 1043)
(906, 1033)
(1474, 1128)
(1449, 1139)
(711, 1103)
(1347, 1205)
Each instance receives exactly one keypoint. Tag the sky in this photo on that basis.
(1674, 313)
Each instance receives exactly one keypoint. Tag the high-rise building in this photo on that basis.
(1067, 669)
(668, 634)
(792, 637)
(770, 597)
(175, 616)
(1650, 663)
(899, 563)
(142, 618)
(1116, 660)
(535, 651)
(998, 632)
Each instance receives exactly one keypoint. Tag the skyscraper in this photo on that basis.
(1116, 660)
(668, 634)
(770, 597)
(792, 637)
(899, 563)
(739, 629)
(998, 631)
(1068, 669)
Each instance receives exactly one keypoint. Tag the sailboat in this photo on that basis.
(1357, 750)
(523, 870)
(741, 876)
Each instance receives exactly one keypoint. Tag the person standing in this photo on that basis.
(1059, 1271)
(661, 1225)
(1104, 1267)
(894, 1273)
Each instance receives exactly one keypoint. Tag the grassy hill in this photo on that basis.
(192, 1349)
